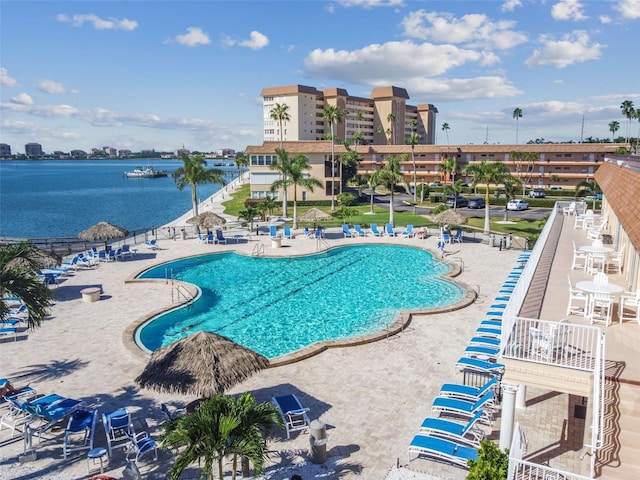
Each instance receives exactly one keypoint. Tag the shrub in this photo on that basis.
(492, 463)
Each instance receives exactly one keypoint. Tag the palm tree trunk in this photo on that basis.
(284, 198)
(295, 206)
(415, 177)
(220, 472)
(487, 222)
(333, 172)
(391, 208)
(194, 199)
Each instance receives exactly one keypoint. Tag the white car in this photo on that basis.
(517, 205)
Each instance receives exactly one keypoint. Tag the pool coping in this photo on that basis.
(403, 317)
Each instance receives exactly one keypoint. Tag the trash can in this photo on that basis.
(492, 240)
(184, 234)
(318, 440)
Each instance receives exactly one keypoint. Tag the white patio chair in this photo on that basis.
(629, 307)
(600, 308)
(601, 278)
(579, 259)
(614, 264)
(570, 210)
(578, 301)
(596, 262)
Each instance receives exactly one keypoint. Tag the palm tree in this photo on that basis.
(627, 111)
(413, 140)
(390, 176)
(636, 115)
(450, 165)
(445, 129)
(455, 189)
(193, 173)
(487, 173)
(297, 178)
(241, 161)
(587, 187)
(18, 263)
(525, 162)
(517, 114)
(280, 113)
(614, 126)
(391, 118)
(332, 115)
(511, 188)
(357, 136)
(283, 166)
(249, 213)
(380, 131)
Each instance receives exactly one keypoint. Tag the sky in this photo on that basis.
(166, 74)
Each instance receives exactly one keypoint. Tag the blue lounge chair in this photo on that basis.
(375, 231)
(294, 415)
(473, 351)
(463, 408)
(273, 231)
(220, 237)
(81, 423)
(318, 233)
(141, 444)
(446, 237)
(481, 366)
(457, 238)
(51, 409)
(73, 263)
(488, 332)
(118, 428)
(345, 231)
(7, 331)
(466, 433)
(359, 231)
(308, 233)
(485, 341)
(152, 244)
(440, 449)
(210, 238)
(467, 392)
(408, 231)
(287, 232)
(388, 229)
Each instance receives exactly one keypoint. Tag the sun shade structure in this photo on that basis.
(449, 216)
(207, 220)
(201, 364)
(314, 215)
(42, 257)
(103, 231)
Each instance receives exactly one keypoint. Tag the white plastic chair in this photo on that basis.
(570, 210)
(596, 262)
(629, 302)
(578, 301)
(600, 308)
(579, 259)
(614, 264)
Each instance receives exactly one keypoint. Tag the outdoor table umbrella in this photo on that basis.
(103, 231)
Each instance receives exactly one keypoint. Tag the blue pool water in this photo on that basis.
(276, 306)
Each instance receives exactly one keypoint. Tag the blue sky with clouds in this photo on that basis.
(160, 74)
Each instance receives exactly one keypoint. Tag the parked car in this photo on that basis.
(460, 202)
(536, 193)
(517, 205)
(590, 198)
(555, 187)
(477, 202)
(435, 184)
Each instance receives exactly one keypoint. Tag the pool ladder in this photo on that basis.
(258, 250)
(181, 291)
(322, 244)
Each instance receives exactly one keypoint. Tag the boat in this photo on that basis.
(146, 172)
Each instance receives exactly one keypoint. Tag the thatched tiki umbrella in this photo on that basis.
(207, 220)
(103, 231)
(314, 215)
(43, 258)
(449, 216)
(201, 364)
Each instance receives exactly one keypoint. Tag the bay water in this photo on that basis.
(60, 198)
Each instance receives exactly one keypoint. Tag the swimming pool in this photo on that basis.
(276, 306)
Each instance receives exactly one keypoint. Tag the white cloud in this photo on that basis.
(51, 86)
(472, 29)
(629, 8)
(6, 80)
(568, 10)
(193, 38)
(97, 22)
(391, 62)
(510, 5)
(256, 41)
(367, 4)
(604, 19)
(457, 89)
(22, 99)
(574, 47)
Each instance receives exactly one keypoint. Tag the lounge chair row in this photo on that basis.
(213, 238)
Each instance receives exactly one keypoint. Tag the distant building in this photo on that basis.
(33, 150)
(383, 119)
(110, 151)
(78, 154)
(5, 150)
(180, 151)
(226, 152)
(124, 153)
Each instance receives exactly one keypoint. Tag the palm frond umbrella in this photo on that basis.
(42, 257)
(103, 231)
(207, 220)
(201, 364)
(314, 215)
(449, 217)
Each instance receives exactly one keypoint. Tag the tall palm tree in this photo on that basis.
(357, 136)
(241, 161)
(587, 187)
(525, 162)
(627, 111)
(18, 263)
(511, 187)
(445, 129)
(517, 114)
(391, 118)
(194, 173)
(390, 176)
(487, 173)
(636, 115)
(297, 177)
(283, 166)
(413, 140)
(332, 115)
(614, 126)
(249, 213)
(280, 113)
(450, 165)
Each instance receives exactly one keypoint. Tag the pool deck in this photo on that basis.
(372, 397)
